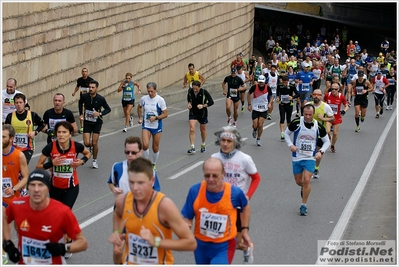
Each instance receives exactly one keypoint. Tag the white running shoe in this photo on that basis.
(248, 257)
(95, 164)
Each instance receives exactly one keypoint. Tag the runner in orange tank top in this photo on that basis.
(144, 221)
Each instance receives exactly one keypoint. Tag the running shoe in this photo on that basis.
(377, 116)
(316, 174)
(229, 121)
(357, 129)
(282, 137)
(248, 256)
(361, 118)
(81, 130)
(269, 117)
(303, 210)
(154, 166)
(191, 150)
(235, 124)
(254, 133)
(332, 149)
(125, 129)
(5, 259)
(258, 142)
(95, 164)
(387, 108)
(390, 107)
(203, 148)
(242, 109)
(381, 110)
(297, 115)
(131, 121)
(67, 255)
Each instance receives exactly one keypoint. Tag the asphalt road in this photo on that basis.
(280, 235)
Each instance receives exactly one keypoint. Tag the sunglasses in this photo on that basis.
(316, 94)
(131, 152)
(334, 89)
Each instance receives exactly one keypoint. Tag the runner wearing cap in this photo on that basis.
(42, 222)
(259, 106)
(232, 85)
(305, 80)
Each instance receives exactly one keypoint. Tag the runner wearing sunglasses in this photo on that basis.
(118, 181)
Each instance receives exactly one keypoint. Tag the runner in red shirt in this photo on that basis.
(335, 100)
(42, 223)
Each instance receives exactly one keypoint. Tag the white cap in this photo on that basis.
(306, 65)
(261, 79)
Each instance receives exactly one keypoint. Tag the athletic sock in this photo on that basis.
(146, 153)
(357, 121)
(316, 168)
(155, 157)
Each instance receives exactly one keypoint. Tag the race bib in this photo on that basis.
(213, 225)
(274, 89)
(305, 87)
(359, 90)
(84, 90)
(261, 107)
(306, 147)
(34, 251)
(21, 140)
(149, 114)
(233, 92)
(334, 108)
(89, 116)
(285, 99)
(391, 81)
(6, 183)
(140, 252)
(127, 96)
(63, 170)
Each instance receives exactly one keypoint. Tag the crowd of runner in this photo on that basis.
(289, 80)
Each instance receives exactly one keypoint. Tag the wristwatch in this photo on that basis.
(15, 190)
(321, 152)
(157, 241)
(67, 247)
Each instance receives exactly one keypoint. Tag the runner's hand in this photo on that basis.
(56, 249)
(12, 251)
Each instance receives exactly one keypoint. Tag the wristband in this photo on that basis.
(118, 231)
(157, 241)
(48, 165)
(321, 152)
(245, 227)
(84, 159)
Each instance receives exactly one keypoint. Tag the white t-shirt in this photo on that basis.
(152, 107)
(238, 168)
(8, 103)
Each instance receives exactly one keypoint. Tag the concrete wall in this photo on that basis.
(45, 45)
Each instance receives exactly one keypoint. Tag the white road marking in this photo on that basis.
(177, 175)
(96, 218)
(354, 199)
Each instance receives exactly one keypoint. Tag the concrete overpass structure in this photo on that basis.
(379, 16)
